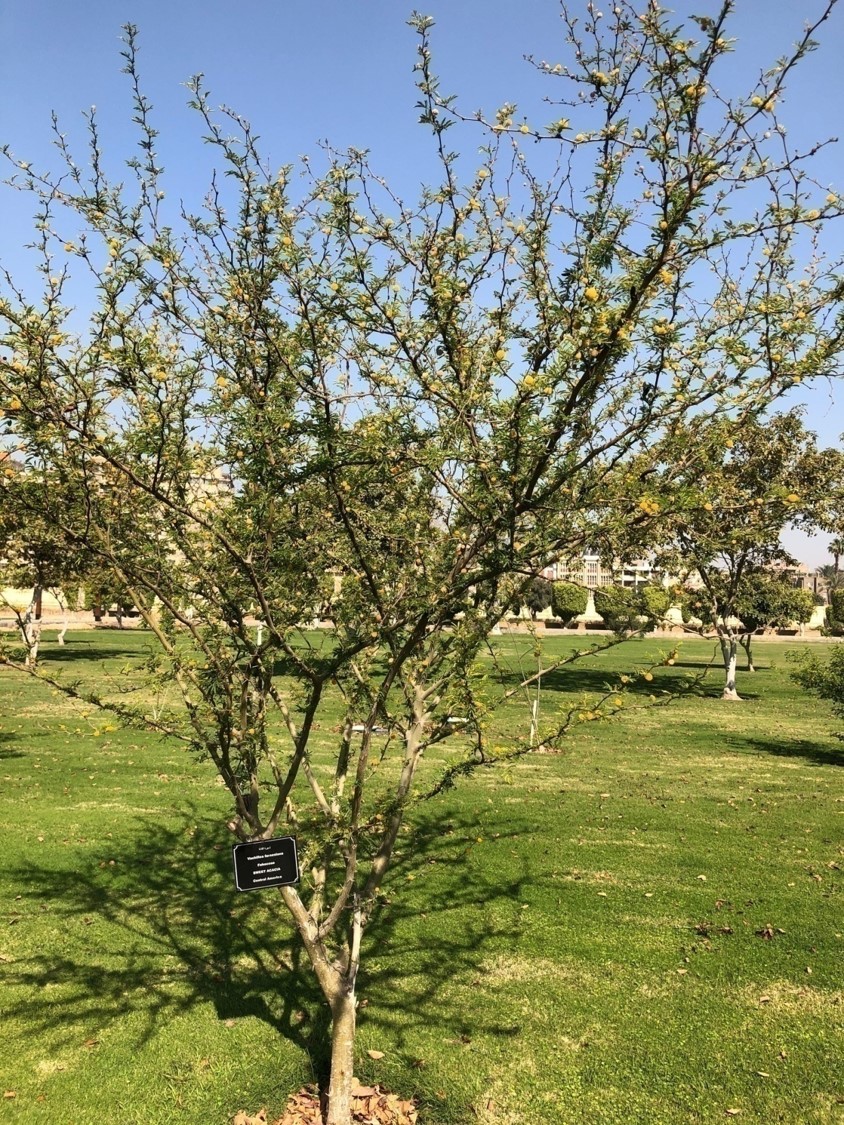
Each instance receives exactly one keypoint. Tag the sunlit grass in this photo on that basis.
(575, 938)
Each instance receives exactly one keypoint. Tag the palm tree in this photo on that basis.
(836, 549)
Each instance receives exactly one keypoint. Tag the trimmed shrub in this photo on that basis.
(619, 607)
(568, 600)
(538, 595)
(655, 603)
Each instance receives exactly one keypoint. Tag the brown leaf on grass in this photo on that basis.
(732, 1112)
(768, 933)
(10, 1094)
(375, 1054)
(244, 1118)
(91, 1043)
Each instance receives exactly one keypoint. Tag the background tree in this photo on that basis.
(35, 552)
(310, 385)
(770, 601)
(835, 613)
(731, 503)
(538, 595)
(823, 676)
(625, 609)
(568, 600)
(833, 573)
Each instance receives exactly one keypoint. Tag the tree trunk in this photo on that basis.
(342, 1059)
(337, 979)
(729, 652)
(746, 642)
(65, 622)
(30, 627)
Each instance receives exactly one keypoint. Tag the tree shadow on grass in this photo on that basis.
(811, 752)
(74, 651)
(576, 680)
(154, 926)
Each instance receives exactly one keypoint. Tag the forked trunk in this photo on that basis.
(729, 652)
(30, 628)
(342, 1059)
(746, 642)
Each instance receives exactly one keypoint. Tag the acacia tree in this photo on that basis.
(315, 394)
(747, 481)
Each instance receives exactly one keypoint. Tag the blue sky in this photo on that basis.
(341, 70)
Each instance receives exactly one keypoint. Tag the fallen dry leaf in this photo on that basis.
(375, 1054)
(732, 1112)
(244, 1118)
(10, 1094)
(373, 1106)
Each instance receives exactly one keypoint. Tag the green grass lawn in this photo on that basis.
(645, 928)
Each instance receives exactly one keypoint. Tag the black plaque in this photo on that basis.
(265, 863)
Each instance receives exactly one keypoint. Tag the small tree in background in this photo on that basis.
(823, 676)
(744, 484)
(568, 600)
(35, 552)
(770, 601)
(538, 595)
(312, 393)
(835, 613)
(619, 607)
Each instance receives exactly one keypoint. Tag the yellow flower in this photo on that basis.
(524, 127)
(529, 380)
(591, 293)
(792, 498)
(648, 506)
